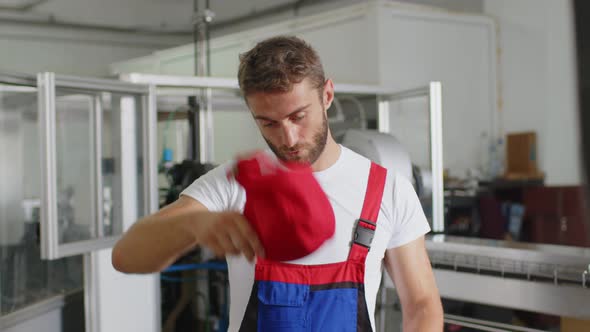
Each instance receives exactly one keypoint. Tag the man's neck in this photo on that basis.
(328, 157)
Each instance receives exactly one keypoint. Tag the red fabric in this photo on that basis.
(310, 274)
(374, 193)
(371, 207)
(286, 207)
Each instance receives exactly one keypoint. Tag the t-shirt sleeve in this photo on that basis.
(409, 221)
(215, 190)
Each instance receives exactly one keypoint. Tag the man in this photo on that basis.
(283, 82)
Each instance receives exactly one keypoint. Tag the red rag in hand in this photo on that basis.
(286, 207)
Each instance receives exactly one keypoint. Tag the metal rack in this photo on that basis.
(540, 278)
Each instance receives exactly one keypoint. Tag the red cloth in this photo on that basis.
(286, 206)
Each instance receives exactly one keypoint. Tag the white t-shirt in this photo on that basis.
(401, 220)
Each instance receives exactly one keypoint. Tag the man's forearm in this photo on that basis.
(425, 318)
(152, 244)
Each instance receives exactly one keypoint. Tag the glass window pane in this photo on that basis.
(122, 174)
(121, 195)
(408, 117)
(75, 166)
(24, 277)
(230, 115)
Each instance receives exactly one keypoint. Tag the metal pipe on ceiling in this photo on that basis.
(49, 20)
(22, 16)
(23, 7)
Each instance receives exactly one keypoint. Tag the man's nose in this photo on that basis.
(289, 135)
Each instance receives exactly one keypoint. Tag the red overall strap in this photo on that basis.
(370, 212)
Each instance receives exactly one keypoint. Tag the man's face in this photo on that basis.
(294, 123)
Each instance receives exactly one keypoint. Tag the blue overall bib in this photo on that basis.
(328, 297)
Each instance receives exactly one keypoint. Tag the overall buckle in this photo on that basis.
(363, 235)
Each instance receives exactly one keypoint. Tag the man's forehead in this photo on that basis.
(302, 87)
(298, 97)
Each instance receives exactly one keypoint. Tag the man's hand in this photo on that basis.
(228, 233)
(157, 240)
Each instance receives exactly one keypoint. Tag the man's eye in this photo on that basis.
(269, 124)
(298, 118)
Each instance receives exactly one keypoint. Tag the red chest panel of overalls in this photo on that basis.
(327, 297)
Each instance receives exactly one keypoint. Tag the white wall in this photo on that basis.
(537, 81)
(419, 46)
(563, 140)
(346, 59)
(125, 302)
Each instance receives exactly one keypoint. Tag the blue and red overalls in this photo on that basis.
(328, 297)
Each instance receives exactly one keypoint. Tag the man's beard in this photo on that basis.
(314, 150)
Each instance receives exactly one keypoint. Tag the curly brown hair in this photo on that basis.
(275, 64)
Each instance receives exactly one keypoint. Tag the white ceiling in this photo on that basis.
(172, 15)
(155, 14)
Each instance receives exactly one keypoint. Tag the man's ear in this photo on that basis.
(328, 95)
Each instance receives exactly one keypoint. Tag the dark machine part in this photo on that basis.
(182, 175)
(194, 125)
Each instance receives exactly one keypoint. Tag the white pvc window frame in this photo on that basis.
(47, 83)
